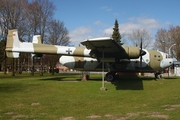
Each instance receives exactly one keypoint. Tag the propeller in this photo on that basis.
(142, 52)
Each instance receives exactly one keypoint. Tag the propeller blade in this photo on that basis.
(141, 52)
(141, 44)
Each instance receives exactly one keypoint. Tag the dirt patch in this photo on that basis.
(18, 117)
(171, 107)
(93, 116)
(34, 104)
(155, 115)
(67, 118)
(128, 116)
(158, 115)
(176, 106)
(108, 116)
(9, 113)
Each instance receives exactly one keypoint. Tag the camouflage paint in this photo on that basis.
(79, 51)
(42, 48)
(11, 44)
(149, 63)
(155, 58)
(79, 57)
(79, 62)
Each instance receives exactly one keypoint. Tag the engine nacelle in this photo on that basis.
(80, 63)
(131, 52)
(125, 52)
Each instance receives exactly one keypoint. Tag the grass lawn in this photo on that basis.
(66, 97)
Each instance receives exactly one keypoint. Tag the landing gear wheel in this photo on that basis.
(110, 76)
(158, 75)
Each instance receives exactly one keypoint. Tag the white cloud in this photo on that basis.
(105, 8)
(100, 24)
(116, 14)
(135, 23)
(83, 32)
(108, 31)
(80, 34)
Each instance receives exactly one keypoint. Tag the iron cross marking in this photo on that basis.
(69, 51)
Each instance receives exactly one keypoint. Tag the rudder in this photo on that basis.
(12, 43)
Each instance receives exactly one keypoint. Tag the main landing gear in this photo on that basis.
(158, 75)
(111, 76)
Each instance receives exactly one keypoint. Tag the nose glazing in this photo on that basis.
(166, 63)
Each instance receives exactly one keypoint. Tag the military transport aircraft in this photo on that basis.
(96, 54)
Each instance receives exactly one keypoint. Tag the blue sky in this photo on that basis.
(95, 18)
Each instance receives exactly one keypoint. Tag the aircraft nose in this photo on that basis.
(166, 62)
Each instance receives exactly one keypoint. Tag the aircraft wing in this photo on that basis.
(110, 47)
(102, 44)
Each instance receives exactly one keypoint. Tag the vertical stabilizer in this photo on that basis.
(12, 44)
(37, 39)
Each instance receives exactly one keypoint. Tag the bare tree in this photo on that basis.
(174, 38)
(40, 13)
(137, 35)
(162, 40)
(166, 38)
(57, 35)
(12, 16)
(30, 18)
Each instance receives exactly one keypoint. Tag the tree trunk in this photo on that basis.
(5, 65)
(32, 70)
(41, 71)
(13, 67)
(52, 67)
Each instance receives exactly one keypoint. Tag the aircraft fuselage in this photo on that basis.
(152, 61)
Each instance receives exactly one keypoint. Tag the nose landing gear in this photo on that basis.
(158, 75)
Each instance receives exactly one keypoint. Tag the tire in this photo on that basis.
(158, 76)
(110, 76)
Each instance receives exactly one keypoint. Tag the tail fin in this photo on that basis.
(37, 39)
(12, 44)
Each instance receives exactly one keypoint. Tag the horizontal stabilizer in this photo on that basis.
(12, 54)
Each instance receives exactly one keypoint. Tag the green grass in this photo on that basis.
(66, 97)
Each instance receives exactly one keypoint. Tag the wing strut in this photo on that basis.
(103, 88)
